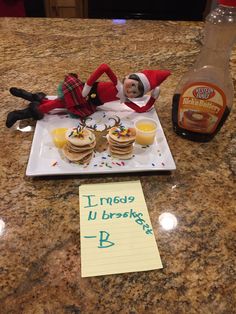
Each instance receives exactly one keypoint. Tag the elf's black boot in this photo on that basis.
(31, 111)
(18, 92)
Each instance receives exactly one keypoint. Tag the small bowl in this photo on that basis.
(146, 129)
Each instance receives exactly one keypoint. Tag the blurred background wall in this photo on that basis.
(21, 8)
(119, 9)
(148, 9)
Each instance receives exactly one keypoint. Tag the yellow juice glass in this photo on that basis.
(145, 131)
(58, 136)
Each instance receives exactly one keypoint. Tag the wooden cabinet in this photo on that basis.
(66, 8)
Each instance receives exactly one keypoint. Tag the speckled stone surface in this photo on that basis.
(40, 244)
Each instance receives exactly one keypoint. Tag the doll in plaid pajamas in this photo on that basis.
(81, 99)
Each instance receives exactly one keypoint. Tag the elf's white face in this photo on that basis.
(130, 87)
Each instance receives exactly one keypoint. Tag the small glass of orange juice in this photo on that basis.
(145, 131)
(58, 136)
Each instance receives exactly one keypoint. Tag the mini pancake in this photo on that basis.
(121, 141)
(122, 151)
(80, 137)
(116, 143)
(68, 148)
(74, 156)
(85, 160)
(81, 148)
(78, 152)
(124, 157)
(122, 135)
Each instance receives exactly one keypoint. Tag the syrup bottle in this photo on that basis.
(204, 96)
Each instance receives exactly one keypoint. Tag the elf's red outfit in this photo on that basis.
(82, 99)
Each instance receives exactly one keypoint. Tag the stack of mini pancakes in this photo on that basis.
(121, 141)
(80, 145)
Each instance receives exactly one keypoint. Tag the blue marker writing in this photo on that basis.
(104, 242)
(89, 198)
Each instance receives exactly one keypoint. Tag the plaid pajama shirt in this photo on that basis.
(72, 95)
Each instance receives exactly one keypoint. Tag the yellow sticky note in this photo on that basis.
(116, 231)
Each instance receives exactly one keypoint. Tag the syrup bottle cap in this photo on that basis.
(230, 3)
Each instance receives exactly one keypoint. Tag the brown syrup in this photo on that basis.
(194, 136)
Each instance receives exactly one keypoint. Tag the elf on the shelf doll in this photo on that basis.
(81, 99)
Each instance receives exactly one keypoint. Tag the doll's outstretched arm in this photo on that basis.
(145, 108)
(103, 68)
(154, 95)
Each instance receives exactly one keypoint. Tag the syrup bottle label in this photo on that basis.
(201, 107)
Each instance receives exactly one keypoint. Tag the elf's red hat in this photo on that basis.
(152, 78)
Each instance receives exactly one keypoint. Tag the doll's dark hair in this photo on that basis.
(140, 84)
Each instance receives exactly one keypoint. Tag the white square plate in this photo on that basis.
(45, 159)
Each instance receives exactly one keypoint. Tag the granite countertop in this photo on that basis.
(40, 232)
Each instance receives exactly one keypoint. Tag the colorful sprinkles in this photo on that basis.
(122, 131)
(77, 132)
